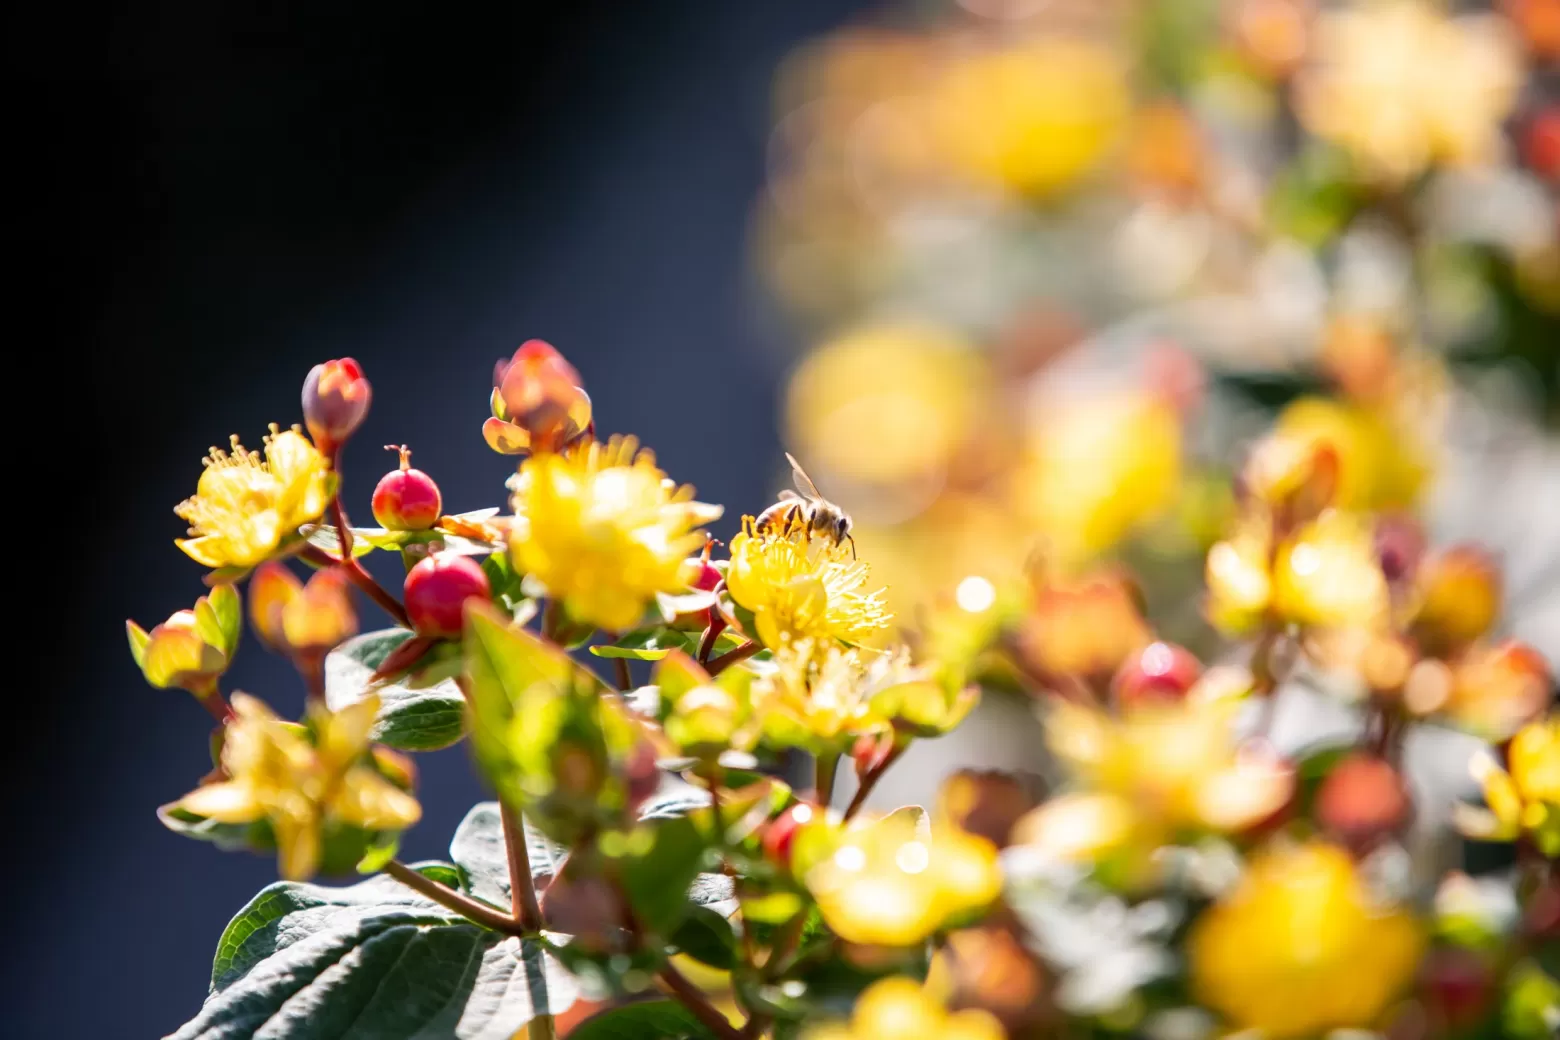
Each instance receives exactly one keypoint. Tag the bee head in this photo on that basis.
(841, 527)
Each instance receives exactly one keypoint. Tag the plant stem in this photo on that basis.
(824, 769)
(869, 781)
(312, 668)
(474, 911)
(731, 657)
(215, 704)
(696, 1002)
(625, 681)
(522, 891)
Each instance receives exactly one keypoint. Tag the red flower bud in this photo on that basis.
(1363, 800)
(406, 499)
(335, 400)
(437, 590)
(1160, 672)
(780, 833)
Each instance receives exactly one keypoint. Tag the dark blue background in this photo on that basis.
(218, 196)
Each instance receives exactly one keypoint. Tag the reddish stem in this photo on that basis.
(695, 1001)
(471, 909)
(869, 781)
(736, 656)
(522, 892)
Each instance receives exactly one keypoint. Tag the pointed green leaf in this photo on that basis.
(422, 711)
(306, 962)
(642, 1020)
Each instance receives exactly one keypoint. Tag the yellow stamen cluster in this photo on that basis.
(246, 506)
(605, 530)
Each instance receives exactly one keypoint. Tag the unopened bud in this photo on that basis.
(1362, 801)
(406, 499)
(538, 404)
(436, 592)
(1497, 690)
(192, 648)
(335, 400)
(1460, 591)
(1158, 673)
(294, 618)
(1294, 477)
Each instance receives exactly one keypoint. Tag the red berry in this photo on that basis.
(437, 590)
(1161, 672)
(1456, 986)
(407, 499)
(1362, 800)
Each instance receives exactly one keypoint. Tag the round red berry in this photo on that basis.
(437, 590)
(1161, 672)
(407, 499)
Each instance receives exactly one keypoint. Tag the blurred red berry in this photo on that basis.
(406, 499)
(335, 400)
(1541, 144)
(437, 590)
(1456, 985)
(1363, 800)
(780, 833)
(1160, 672)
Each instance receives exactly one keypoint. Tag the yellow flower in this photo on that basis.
(1328, 575)
(899, 1008)
(802, 586)
(192, 648)
(246, 507)
(1034, 117)
(888, 883)
(1297, 949)
(605, 530)
(1239, 576)
(822, 698)
(1379, 463)
(1149, 777)
(297, 618)
(1400, 86)
(302, 789)
(1098, 469)
(1525, 797)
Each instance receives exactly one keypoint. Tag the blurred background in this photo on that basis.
(1009, 276)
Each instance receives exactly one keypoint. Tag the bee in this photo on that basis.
(807, 508)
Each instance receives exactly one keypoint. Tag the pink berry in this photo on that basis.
(437, 590)
(1159, 672)
(407, 499)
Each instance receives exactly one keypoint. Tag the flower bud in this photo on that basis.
(1159, 672)
(406, 499)
(436, 592)
(294, 618)
(703, 720)
(1363, 800)
(192, 648)
(780, 833)
(335, 400)
(1085, 628)
(538, 403)
(1456, 985)
(1460, 592)
(1497, 690)
(1294, 477)
(1400, 546)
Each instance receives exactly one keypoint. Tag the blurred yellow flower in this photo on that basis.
(889, 883)
(245, 507)
(899, 1008)
(1327, 574)
(1297, 948)
(1033, 117)
(293, 617)
(1097, 469)
(301, 788)
(1497, 689)
(802, 586)
(1524, 797)
(1379, 464)
(1084, 627)
(1240, 578)
(1400, 86)
(1149, 777)
(605, 530)
(887, 404)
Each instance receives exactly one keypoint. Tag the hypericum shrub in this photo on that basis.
(645, 871)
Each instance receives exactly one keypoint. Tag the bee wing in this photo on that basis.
(789, 496)
(803, 482)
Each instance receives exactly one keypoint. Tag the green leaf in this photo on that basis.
(412, 716)
(706, 936)
(478, 849)
(307, 962)
(643, 1020)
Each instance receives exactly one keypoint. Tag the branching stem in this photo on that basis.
(471, 909)
(522, 891)
(734, 656)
